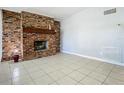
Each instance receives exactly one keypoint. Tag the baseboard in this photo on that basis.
(94, 58)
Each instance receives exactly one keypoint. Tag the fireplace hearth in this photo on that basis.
(40, 45)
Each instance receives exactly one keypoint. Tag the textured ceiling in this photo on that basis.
(58, 13)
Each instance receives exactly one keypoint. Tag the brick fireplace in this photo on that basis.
(33, 35)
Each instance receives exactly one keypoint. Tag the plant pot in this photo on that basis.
(16, 58)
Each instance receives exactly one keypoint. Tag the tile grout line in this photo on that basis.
(108, 75)
(51, 77)
(99, 73)
(65, 76)
(28, 73)
(59, 78)
(89, 73)
(80, 73)
(43, 75)
(10, 74)
(115, 78)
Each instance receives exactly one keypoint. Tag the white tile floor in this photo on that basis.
(61, 69)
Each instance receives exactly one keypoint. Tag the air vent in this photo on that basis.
(110, 11)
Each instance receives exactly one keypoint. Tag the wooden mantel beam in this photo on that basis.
(38, 30)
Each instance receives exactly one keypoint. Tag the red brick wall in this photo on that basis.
(11, 34)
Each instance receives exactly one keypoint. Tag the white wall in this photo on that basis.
(91, 33)
(0, 34)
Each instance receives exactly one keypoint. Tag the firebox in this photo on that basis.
(40, 45)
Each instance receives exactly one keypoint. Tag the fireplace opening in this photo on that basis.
(40, 45)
